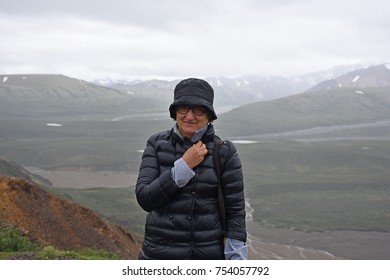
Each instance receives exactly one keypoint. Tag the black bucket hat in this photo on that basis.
(193, 92)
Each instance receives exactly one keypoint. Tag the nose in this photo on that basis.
(190, 115)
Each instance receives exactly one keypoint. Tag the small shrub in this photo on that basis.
(12, 240)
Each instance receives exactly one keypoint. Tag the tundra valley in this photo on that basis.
(316, 158)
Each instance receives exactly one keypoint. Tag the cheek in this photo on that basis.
(204, 122)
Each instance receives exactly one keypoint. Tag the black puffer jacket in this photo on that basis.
(184, 223)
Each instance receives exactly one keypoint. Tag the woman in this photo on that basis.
(177, 185)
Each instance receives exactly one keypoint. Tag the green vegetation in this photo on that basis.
(12, 240)
(297, 162)
(102, 145)
(14, 244)
(319, 186)
(57, 96)
(308, 110)
(323, 207)
(51, 253)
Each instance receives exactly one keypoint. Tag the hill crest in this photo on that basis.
(48, 95)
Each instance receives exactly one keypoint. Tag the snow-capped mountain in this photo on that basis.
(234, 91)
(370, 77)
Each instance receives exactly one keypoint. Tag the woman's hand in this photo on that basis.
(195, 154)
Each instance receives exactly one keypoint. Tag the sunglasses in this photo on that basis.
(196, 110)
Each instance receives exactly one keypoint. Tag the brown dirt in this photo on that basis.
(60, 223)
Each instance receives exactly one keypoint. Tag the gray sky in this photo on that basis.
(168, 39)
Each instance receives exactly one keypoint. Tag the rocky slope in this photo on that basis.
(50, 220)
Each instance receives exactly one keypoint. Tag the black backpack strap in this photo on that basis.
(217, 164)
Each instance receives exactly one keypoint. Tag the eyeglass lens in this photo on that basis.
(196, 110)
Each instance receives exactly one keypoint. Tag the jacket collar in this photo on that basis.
(203, 134)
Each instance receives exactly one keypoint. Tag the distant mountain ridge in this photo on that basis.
(374, 76)
(57, 97)
(356, 97)
(47, 95)
(234, 91)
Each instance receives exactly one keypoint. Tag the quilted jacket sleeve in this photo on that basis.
(153, 190)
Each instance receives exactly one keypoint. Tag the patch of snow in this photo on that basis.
(105, 82)
(259, 95)
(140, 151)
(387, 65)
(24, 78)
(54, 124)
(5, 79)
(244, 142)
(355, 79)
(360, 92)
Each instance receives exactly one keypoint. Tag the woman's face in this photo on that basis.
(190, 119)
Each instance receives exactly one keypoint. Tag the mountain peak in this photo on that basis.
(373, 76)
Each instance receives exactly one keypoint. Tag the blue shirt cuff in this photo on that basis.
(235, 249)
(181, 173)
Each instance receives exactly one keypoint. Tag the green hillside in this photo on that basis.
(59, 97)
(308, 110)
(12, 169)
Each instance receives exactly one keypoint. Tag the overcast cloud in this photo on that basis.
(170, 39)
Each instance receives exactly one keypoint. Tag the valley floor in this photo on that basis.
(279, 243)
(264, 242)
(84, 179)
